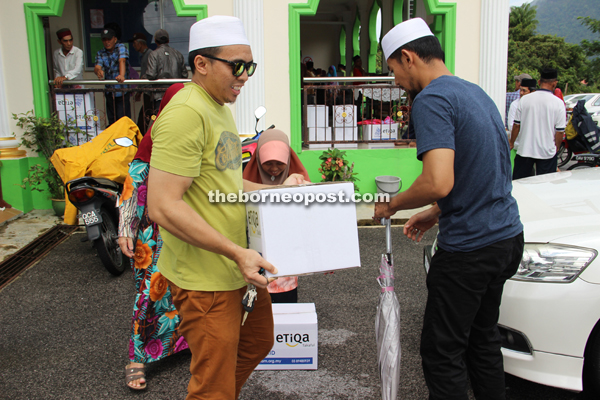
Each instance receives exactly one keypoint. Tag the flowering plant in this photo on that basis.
(334, 167)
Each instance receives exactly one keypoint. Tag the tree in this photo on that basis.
(592, 50)
(530, 53)
(522, 22)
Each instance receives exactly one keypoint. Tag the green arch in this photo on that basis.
(343, 45)
(37, 48)
(397, 11)
(356, 36)
(373, 39)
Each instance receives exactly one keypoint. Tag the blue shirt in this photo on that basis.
(510, 97)
(109, 61)
(452, 113)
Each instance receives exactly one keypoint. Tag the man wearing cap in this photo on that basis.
(196, 151)
(139, 43)
(527, 86)
(164, 63)
(512, 96)
(112, 62)
(538, 130)
(68, 60)
(466, 171)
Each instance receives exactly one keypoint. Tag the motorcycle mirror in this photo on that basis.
(260, 112)
(124, 142)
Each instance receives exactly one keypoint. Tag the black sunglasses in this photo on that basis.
(238, 66)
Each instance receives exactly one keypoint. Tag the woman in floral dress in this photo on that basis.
(155, 323)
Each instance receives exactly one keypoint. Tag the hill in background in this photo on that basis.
(559, 17)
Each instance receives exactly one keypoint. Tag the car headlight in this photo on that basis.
(546, 262)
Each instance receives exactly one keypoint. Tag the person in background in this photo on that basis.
(466, 175)
(538, 129)
(527, 86)
(341, 70)
(164, 63)
(68, 60)
(196, 151)
(112, 62)
(154, 331)
(139, 43)
(271, 164)
(512, 96)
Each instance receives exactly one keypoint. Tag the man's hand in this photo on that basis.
(382, 210)
(419, 223)
(250, 262)
(126, 245)
(99, 72)
(120, 78)
(59, 80)
(294, 179)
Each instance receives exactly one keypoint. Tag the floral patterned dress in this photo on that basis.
(155, 325)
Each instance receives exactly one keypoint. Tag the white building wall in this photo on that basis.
(17, 73)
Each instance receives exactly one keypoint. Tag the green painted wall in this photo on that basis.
(13, 172)
(370, 164)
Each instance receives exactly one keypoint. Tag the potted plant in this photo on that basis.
(334, 167)
(44, 135)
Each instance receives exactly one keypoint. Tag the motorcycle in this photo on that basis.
(96, 198)
(587, 160)
(249, 145)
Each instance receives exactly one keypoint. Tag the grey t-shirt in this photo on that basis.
(452, 113)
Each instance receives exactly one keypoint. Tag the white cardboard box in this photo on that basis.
(380, 132)
(344, 116)
(319, 134)
(79, 109)
(348, 133)
(301, 239)
(317, 116)
(296, 338)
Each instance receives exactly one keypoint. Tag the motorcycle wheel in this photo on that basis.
(107, 247)
(581, 165)
(563, 156)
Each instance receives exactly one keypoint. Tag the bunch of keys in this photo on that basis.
(250, 298)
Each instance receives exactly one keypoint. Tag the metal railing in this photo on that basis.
(94, 107)
(354, 112)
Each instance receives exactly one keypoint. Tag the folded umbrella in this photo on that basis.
(387, 323)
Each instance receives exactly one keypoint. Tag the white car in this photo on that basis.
(592, 103)
(550, 312)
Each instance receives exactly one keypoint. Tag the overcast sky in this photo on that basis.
(519, 2)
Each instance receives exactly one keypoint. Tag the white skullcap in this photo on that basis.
(403, 33)
(219, 30)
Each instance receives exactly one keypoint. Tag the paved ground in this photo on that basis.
(64, 327)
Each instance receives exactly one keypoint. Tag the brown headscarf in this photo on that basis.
(254, 171)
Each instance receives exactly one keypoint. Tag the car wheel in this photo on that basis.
(591, 368)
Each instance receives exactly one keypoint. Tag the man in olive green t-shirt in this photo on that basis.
(196, 150)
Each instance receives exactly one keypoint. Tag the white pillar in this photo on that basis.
(4, 115)
(494, 50)
(253, 92)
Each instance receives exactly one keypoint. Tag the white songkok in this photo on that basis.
(403, 33)
(219, 30)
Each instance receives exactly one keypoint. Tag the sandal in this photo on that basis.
(132, 374)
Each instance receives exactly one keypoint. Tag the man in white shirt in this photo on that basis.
(527, 86)
(68, 60)
(539, 126)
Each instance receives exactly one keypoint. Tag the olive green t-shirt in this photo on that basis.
(196, 137)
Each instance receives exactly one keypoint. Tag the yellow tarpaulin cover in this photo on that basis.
(100, 157)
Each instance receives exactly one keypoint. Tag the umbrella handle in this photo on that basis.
(388, 234)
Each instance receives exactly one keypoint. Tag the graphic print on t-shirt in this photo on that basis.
(228, 153)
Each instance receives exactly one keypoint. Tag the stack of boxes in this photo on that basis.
(317, 121)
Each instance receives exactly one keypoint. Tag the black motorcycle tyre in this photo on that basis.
(564, 155)
(581, 165)
(106, 245)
